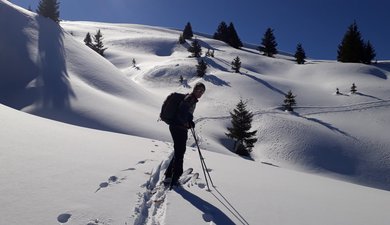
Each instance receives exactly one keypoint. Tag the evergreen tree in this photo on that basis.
(228, 35)
(233, 39)
(181, 39)
(236, 64)
(353, 88)
(201, 68)
(239, 132)
(49, 9)
(300, 55)
(98, 46)
(222, 32)
(269, 43)
(88, 40)
(187, 32)
(368, 53)
(195, 49)
(352, 46)
(289, 101)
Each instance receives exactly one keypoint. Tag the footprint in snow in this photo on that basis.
(144, 161)
(208, 217)
(201, 185)
(112, 179)
(63, 218)
(102, 185)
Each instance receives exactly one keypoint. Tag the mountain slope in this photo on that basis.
(63, 79)
(342, 136)
(54, 172)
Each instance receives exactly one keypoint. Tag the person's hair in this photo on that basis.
(199, 85)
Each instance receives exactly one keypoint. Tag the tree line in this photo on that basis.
(352, 48)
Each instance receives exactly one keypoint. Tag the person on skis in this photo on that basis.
(179, 132)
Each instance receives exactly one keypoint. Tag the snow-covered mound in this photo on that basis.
(45, 71)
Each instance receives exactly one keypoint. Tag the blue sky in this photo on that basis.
(318, 24)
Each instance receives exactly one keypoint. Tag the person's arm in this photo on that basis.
(185, 114)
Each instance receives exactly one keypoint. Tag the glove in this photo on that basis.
(192, 124)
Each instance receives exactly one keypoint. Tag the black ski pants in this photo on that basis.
(179, 136)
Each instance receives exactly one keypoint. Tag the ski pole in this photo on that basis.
(204, 166)
(203, 161)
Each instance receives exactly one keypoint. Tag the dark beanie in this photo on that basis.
(199, 85)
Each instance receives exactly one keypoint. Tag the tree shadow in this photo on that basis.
(18, 68)
(55, 88)
(210, 212)
(265, 83)
(215, 80)
(369, 96)
(211, 62)
(327, 125)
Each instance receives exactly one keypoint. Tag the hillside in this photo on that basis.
(326, 163)
(322, 136)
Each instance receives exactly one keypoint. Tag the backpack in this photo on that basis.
(170, 106)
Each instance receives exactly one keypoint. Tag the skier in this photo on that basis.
(179, 129)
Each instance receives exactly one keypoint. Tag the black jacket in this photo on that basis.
(185, 112)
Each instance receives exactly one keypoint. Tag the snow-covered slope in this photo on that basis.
(45, 71)
(84, 176)
(324, 135)
(59, 173)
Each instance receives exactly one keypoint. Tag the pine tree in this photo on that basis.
(201, 68)
(195, 49)
(222, 32)
(269, 43)
(368, 53)
(289, 101)
(49, 9)
(239, 132)
(228, 34)
(98, 46)
(233, 39)
(187, 32)
(88, 40)
(236, 64)
(353, 88)
(181, 39)
(352, 46)
(300, 55)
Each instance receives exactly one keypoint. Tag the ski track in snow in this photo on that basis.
(151, 207)
(152, 204)
(312, 110)
(304, 112)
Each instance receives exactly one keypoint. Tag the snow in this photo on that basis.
(80, 141)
